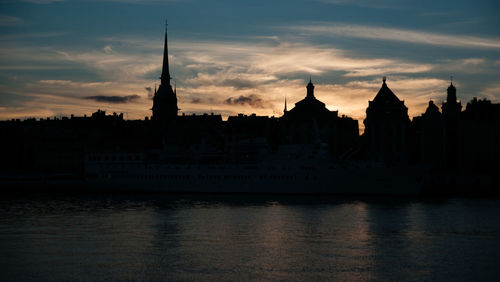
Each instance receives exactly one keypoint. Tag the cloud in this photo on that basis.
(107, 49)
(10, 21)
(251, 100)
(239, 83)
(466, 65)
(113, 99)
(401, 35)
(492, 92)
(239, 64)
(387, 4)
(149, 90)
(233, 77)
(43, 1)
(117, 66)
(145, 1)
(195, 99)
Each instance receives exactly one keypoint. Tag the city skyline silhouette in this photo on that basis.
(167, 90)
(443, 152)
(311, 140)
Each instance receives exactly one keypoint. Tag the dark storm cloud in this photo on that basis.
(252, 100)
(114, 99)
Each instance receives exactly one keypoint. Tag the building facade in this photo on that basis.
(386, 128)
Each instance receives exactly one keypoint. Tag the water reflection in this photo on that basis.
(240, 238)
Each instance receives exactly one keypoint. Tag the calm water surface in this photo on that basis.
(139, 237)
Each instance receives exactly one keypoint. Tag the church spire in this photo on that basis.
(165, 72)
(165, 99)
(285, 110)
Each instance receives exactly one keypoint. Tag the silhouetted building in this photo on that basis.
(165, 99)
(310, 108)
(429, 132)
(452, 107)
(478, 143)
(386, 127)
(451, 115)
(310, 122)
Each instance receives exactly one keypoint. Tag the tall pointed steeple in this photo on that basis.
(165, 99)
(165, 71)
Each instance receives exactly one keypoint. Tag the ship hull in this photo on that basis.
(258, 180)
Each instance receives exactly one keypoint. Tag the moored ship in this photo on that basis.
(281, 172)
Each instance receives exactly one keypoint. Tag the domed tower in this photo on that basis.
(451, 115)
(165, 99)
(452, 107)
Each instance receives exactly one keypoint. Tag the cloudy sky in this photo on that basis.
(62, 57)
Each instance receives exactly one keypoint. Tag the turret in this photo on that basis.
(452, 107)
(310, 89)
(452, 94)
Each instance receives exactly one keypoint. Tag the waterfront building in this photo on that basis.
(310, 122)
(451, 115)
(386, 127)
(429, 135)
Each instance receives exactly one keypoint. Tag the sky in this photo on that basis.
(62, 57)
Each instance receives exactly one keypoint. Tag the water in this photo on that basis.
(153, 237)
